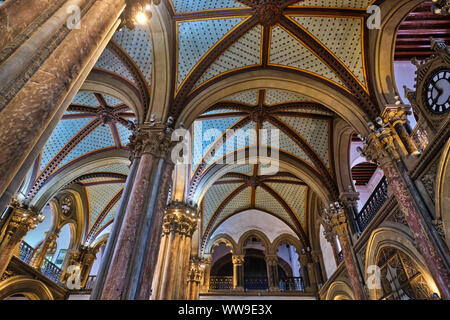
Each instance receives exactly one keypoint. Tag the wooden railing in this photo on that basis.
(292, 284)
(220, 283)
(373, 205)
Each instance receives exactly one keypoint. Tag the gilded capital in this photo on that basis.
(238, 260)
(335, 220)
(196, 271)
(379, 147)
(22, 220)
(180, 218)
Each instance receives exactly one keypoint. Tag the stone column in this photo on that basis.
(272, 272)
(303, 259)
(150, 144)
(115, 232)
(41, 71)
(16, 225)
(195, 278)
(180, 222)
(382, 147)
(350, 201)
(154, 240)
(207, 277)
(238, 272)
(336, 219)
(49, 241)
(331, 238)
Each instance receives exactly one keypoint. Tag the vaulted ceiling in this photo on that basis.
(322, 39)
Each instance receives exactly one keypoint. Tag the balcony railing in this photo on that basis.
(27, 252)
(221, 283)
(51, 271)
(256, 283)
(48, 269)
(292, 284)
(90, 283)
(373, 205)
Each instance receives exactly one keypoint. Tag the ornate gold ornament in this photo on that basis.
(431, 99)
(180, 218)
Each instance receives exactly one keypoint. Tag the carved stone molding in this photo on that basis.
(180, 218)
(154, 140)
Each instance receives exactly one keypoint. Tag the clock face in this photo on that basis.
(438, 92)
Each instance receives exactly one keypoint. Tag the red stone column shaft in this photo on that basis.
(117, 275)
(153, 245)
(432, 258)
(350, 265)
(39, 99)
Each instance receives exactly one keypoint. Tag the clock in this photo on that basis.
(437, 93)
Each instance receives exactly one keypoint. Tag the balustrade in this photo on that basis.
(373, 205)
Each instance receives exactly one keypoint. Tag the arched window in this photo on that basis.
(400, 277)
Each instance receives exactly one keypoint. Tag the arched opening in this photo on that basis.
(328, 254)
(221, 267)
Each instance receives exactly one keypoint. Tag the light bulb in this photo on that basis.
(141, 18)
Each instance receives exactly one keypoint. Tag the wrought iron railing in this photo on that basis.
(220, 283)
(256, 283)
(51, 271)
(292, 284)
(90, 283)
(27, 252)
(373, 205)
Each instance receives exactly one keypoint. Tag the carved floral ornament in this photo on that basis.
(154, 140)
(334, 220)
(180, 218)
(23, 219)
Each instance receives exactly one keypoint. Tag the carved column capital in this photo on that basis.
(349, 199)
(335, 219)
(22, 220)
(155, 140)
(379, 147)
(196, 270)
(238, 260)
(180, 218)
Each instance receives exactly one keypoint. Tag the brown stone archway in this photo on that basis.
(22, 285)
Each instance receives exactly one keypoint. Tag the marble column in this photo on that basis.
(336, 219)
(154, 240)
(150, 144)
(272, 272)
(115, 232)
(180, 222)
(383, 147)
(307, 283)
(238, 272)
(207, 277)
(194, 279)
(43, 73)
(17, 223)
(49, 241)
